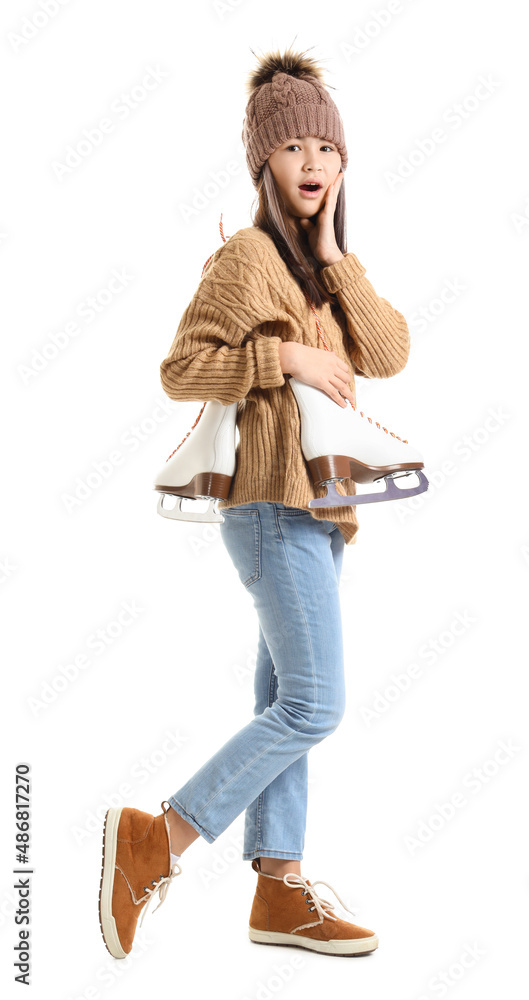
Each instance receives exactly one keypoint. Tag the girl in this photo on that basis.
(281, 297)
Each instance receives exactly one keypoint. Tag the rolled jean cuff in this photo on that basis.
(262, 852)
(190, 819)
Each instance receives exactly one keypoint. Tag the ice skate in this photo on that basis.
(342, 442)
(202, 466)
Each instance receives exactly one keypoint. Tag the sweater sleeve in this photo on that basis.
(218, 351)
(379, 340)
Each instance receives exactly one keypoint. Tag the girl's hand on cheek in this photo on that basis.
(320, 228)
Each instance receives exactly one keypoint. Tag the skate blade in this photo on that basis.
(392, 492)
(177, 514)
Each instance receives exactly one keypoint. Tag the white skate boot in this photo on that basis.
(202, 466)
(341, 442)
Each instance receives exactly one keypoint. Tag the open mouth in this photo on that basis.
(310, 187)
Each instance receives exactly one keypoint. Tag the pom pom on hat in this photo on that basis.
(295, 63)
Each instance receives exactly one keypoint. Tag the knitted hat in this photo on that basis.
(287, 98)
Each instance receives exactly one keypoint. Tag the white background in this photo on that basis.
(177, 682)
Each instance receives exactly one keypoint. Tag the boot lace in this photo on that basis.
(319, 903)
(161, 887)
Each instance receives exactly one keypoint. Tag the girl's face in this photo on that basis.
(302, 161)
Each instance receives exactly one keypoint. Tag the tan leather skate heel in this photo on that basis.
(342, 467)
(288, 911)
(136, 865)
(204, 484)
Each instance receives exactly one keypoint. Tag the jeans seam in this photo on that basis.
(256, 575)
(300, 605)
(260, 798)
(191, 817)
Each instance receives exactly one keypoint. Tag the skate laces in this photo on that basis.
(161, 887)
(327, 348)
(319, 903)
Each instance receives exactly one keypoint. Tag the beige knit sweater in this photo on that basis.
(226, 348)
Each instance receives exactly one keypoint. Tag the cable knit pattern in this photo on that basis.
(226, 348)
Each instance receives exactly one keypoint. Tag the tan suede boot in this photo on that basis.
(136, 865)
(288, 911)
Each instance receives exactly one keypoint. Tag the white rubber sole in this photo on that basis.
(106, 919)
(354, 946)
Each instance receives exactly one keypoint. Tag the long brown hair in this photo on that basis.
(272, 217)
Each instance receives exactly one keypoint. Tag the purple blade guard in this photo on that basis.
(392, 492)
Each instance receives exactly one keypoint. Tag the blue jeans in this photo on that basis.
(291, 564)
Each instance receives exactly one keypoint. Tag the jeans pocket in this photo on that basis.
(288, 513)
(241, 534)
(292, 511)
